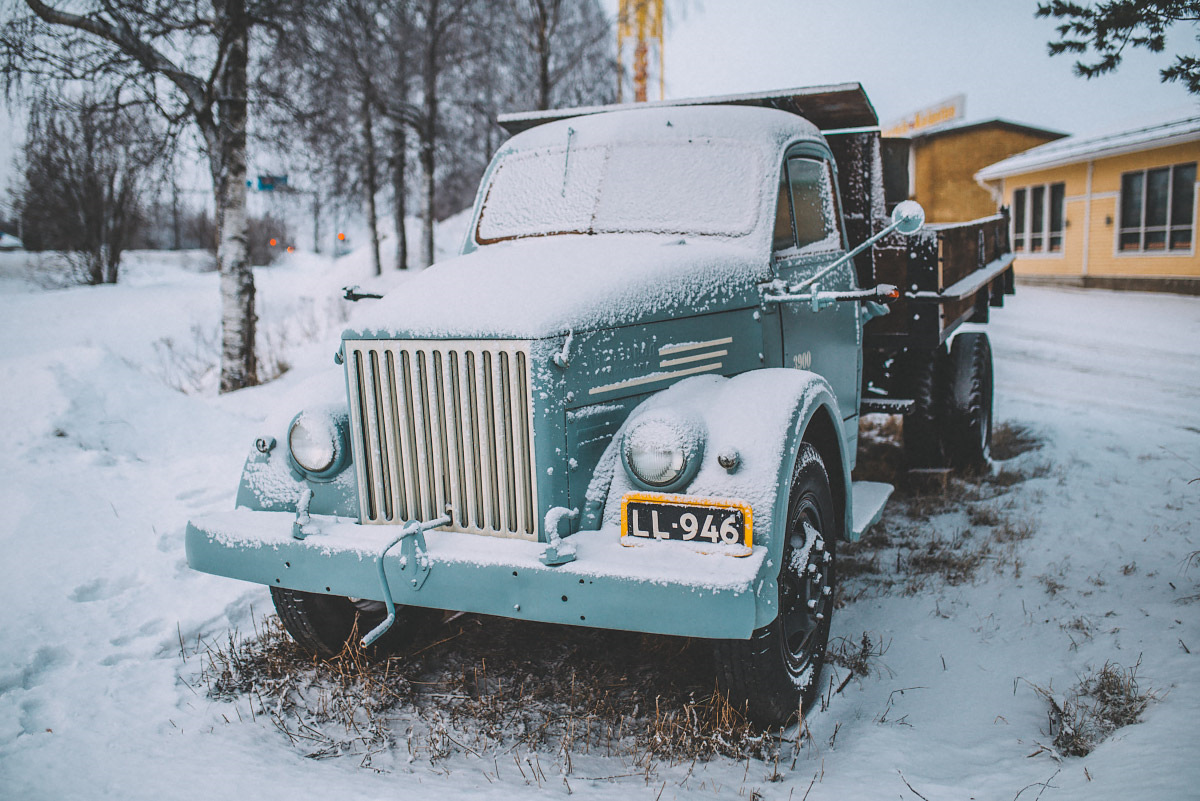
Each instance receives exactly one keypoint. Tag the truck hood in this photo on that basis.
(544, 287)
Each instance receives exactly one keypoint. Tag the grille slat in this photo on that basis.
(375, 458)
(444, 423)
(458, 481)
(394, 487)
(405, 447)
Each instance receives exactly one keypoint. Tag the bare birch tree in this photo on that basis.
(190, 61)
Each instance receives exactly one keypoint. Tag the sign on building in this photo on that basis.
(948, 110)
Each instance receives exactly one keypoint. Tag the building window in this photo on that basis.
(1038, 213)
(1157, 209)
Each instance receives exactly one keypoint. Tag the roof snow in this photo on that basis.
(828, 107)
(958, 126)
(1074, 149)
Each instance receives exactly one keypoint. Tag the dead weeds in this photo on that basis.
(1101, 702)
(911, 550)
(491, 686)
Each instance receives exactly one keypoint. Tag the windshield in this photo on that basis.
(704, 187)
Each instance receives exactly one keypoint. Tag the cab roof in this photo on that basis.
(753, 127)
(831, 107)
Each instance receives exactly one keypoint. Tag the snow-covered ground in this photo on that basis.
(105, 460)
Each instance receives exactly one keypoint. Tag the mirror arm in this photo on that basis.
(843, 259)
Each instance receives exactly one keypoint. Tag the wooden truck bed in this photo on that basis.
(948, 274)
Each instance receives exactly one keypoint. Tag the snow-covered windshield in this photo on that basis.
(704, 187)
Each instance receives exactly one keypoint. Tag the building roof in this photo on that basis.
(828, 107)
(960, 126)
(1075, 149)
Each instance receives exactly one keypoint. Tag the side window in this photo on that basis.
(785, 237)
(813, 202)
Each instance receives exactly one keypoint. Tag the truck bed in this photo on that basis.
(948, 274)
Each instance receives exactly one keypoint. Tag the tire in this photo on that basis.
(970, 397)
(925, 379)
(324, 624)
(776, 673)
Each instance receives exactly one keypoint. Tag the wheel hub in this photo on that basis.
(806, 588)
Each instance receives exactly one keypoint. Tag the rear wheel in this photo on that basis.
(775, 673)
(925, 379)
(970, 398)
(323, 624)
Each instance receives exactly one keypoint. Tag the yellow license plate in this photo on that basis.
(653, 516)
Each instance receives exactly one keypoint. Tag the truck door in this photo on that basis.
(809, 236)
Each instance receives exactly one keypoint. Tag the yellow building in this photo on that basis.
(1115, 211)
(942, 162)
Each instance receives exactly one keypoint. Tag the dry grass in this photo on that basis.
(906, 552)
(191, 365)
(492, 686)
(1010, 440)
(1100, 703)
(954, 561)
(858, 658)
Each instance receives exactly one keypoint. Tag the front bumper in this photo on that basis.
(658, 587)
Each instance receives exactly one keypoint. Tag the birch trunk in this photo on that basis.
(370, 182)
(227, 154)
(399, 189)
(428, 197)
(429, 134)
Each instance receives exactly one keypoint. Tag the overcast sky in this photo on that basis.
(911, 53)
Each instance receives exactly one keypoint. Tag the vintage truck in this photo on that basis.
(633, 401)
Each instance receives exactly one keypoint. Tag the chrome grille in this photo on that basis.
(437, 423)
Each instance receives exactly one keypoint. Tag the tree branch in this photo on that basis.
(128, 43)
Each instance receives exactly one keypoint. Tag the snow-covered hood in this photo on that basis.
(535, 288)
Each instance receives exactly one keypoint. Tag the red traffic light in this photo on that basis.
(274, 242)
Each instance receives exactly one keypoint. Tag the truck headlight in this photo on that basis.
(663, 450)
(317, 443)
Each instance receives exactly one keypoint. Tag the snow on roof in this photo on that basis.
(958, 126)
(648, 123)
(829, 107)
(1074, 149)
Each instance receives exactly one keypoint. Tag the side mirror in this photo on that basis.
(908, 217)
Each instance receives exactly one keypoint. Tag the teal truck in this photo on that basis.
(633, 400)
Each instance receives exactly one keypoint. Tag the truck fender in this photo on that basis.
(763, 416)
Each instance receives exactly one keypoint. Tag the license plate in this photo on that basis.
(650, 516)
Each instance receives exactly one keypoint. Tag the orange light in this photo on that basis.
(341, 237)
(291, 249)
(274, 243)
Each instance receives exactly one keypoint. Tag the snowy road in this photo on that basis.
(104, 464)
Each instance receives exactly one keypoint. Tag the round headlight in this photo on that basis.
(313, 441)
(663, 450)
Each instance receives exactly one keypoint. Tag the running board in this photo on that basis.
(869, 498)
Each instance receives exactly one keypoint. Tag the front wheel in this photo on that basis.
(323, 625)
(775, 673)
